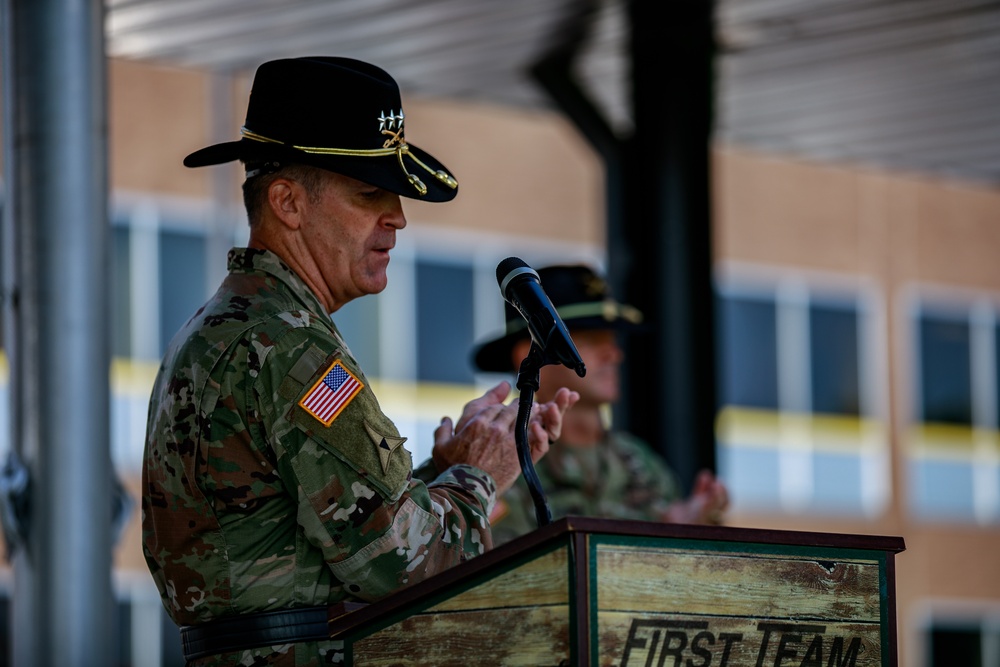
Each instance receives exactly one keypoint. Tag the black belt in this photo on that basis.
(284, 626)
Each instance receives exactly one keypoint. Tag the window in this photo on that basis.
(444, 322)
(159, 265)
(834, 359)
(143, 631)
(358, 322)
(121, 305)
(952, 646)
(797, 427)
(945, 364)
(5, 625)
(182, 280)
(171, 647)
(123, 632)
(955, 456)
(962, 639)
(3, 278)
(749, 360)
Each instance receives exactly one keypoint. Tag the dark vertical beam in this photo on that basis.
(56, 314)
(659, 239)
(555, 74)
(666, 261)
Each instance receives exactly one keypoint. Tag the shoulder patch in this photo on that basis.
(385, 445)
(331, 394)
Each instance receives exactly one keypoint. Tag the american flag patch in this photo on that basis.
(331, 394)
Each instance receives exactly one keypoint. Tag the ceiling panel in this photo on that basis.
(902, 84)
(899, 84)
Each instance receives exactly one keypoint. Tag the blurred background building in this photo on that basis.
(855, 226)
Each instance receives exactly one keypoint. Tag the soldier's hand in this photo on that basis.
(546, 419)
(707, 503)
(484, 434)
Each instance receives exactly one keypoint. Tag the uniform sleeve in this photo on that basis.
(651, 485)
(378, 528)
(514, 514)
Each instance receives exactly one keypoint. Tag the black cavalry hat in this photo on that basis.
(583, 300)
(335, 113)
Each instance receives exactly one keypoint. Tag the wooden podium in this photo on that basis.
(589, 592)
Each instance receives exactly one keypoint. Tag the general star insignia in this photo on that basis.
(385, 445)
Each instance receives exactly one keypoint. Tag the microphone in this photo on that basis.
(522, 288)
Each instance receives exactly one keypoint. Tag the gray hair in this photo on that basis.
(258, 182)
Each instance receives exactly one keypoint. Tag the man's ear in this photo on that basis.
(287, 199)
(519, 351)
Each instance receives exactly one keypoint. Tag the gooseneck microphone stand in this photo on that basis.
(527, 384)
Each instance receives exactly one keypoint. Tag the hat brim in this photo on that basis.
(383, 171)
(494, 356)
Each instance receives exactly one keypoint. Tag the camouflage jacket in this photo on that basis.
(618, 478)
(271, 477)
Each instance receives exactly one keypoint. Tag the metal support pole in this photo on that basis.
(56, 314)
(670, 377)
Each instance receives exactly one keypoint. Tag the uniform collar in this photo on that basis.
(256, 260)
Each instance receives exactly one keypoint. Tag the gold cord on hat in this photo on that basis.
(394, 146)
(608, 309)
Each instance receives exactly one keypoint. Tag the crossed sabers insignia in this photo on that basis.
(385, 125)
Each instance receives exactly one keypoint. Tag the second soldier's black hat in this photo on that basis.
(340, 114)
(583, 300)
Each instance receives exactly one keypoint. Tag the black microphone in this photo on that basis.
(522, 288)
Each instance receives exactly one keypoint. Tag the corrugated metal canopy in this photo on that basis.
(456, 48)
(904, 84)
(912, 84)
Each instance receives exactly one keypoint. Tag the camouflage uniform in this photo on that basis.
(257, 499)
(619, 478)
